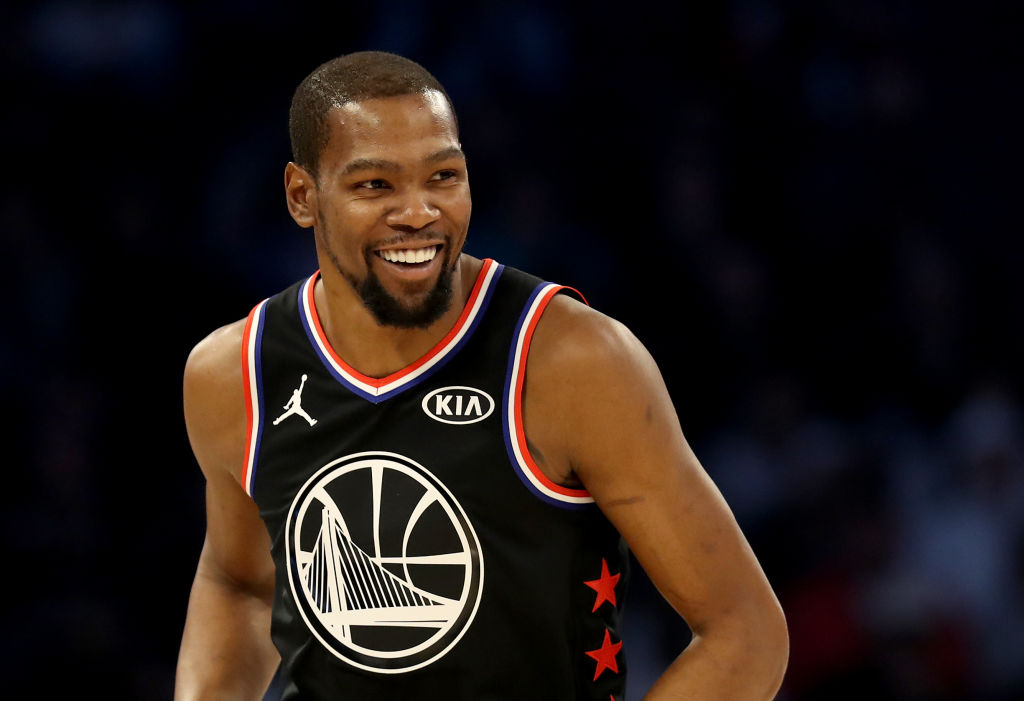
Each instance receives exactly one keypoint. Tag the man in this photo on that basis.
(449, 527)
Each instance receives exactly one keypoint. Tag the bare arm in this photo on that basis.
(598, 410)
(226, 652)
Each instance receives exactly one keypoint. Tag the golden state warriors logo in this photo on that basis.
(384, 565)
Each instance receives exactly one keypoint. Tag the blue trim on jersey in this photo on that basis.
(507, 429)
(378, 398)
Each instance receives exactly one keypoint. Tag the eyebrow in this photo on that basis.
(360, 164)
(445, 154)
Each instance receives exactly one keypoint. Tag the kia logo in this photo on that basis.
(458, 405)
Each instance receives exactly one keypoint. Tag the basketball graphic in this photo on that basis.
(384, 565)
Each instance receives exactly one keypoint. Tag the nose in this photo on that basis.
(413, 213)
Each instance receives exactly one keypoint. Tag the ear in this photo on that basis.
(300, 193)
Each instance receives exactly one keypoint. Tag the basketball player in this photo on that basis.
(442, 509)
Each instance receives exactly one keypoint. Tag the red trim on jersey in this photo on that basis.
(247, 392)
(578, 293)
(379, 382)
(520, 381)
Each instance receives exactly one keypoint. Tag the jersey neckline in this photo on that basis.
(378, 389)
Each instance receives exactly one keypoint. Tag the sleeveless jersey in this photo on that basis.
(420, 552)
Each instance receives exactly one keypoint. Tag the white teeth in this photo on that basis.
(410, 255)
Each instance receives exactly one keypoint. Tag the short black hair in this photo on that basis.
(357, 76)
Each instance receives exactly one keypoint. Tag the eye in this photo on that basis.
(444, 175)
(375, 184)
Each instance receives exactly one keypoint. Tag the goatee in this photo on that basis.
(388, 311)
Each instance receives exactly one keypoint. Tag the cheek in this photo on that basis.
(460, 207)
(344, 225)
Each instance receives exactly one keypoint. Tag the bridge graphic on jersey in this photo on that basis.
(351, 588)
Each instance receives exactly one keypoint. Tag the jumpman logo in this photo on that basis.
(294, 406)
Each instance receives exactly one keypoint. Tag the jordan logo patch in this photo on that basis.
(294, 405)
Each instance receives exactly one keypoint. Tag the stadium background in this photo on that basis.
(804, 209)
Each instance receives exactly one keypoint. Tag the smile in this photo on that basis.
(409, 256)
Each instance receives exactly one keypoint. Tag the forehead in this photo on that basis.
(395, 128)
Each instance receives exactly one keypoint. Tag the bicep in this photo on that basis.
(237, 548)
(679, 527)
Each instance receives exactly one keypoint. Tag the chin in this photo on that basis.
(419, 311)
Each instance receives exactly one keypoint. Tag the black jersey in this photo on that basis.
(420, 551)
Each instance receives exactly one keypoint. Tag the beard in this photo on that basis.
(388, 310)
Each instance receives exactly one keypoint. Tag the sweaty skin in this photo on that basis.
(596, 413)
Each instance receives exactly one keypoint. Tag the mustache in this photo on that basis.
(411, 238)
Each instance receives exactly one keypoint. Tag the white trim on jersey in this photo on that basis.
(517, 436)
(254, 390)
(413, 371)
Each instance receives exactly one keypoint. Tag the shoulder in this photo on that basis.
(215, 362)
(592, 390)
(214, 402)
(573, 339)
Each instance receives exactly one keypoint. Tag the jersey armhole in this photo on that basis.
(525, 466)
(252, 388)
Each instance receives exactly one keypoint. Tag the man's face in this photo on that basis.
(393, 204)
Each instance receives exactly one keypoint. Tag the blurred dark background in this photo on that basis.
(806, 210)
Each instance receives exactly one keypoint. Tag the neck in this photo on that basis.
(367, 346)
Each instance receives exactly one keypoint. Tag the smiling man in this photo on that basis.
(423, 469)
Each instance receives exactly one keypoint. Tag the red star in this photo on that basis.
(605, 655)
(605, 586)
